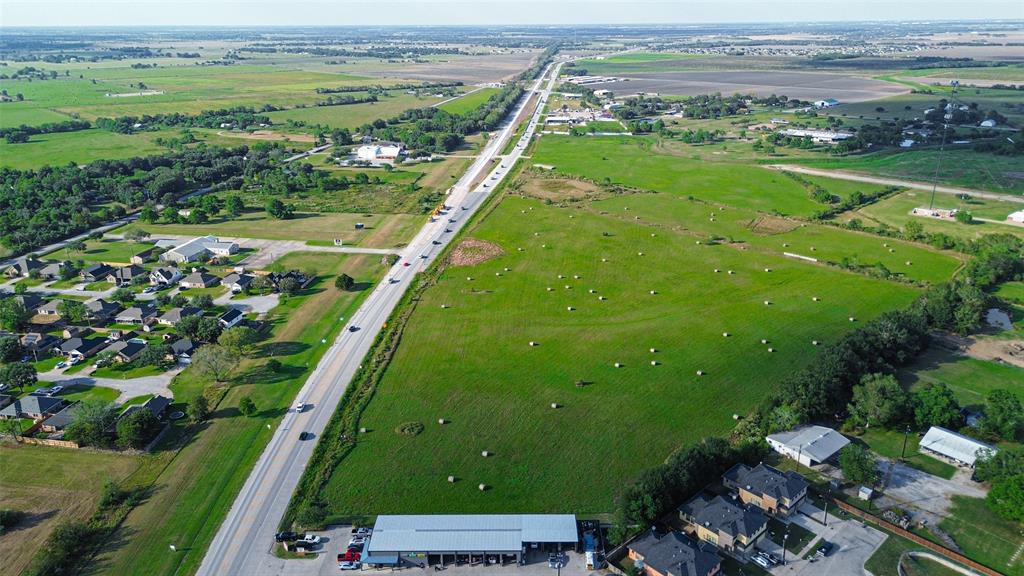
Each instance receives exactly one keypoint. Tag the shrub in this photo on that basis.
(409, 428)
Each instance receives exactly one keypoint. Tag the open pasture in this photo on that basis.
(466, 357)
(895, 212)
(354, 115)
(469, 102)
(470, 69)
(802, 85)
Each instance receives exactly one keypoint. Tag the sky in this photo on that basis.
(445, 12)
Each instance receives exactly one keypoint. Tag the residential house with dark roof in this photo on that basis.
(125, 275)
(174, 315)
(55, 270)
(126, 351)
(237, 282)
(164, 276)
(673, 554)
(182, 350)
(96, 272)
(140, 314)
(147, 255)
(23, 267)
(5, 399)
(29, 300)
(731, 526)
(82, 347)
(231, 318)
(31, 406)
(301, 279)
(199, 280)
(770, 489)
(59, 421)
(36, 342)
(50, 308)
(157, 405)
(100, 309)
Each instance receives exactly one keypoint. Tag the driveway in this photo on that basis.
(854, 543)
(923, 493)
(129, 387)
(259, 304)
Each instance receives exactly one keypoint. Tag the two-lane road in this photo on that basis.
(243, 543)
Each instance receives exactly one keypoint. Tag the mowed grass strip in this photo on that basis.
(472, 364)
(468, 102)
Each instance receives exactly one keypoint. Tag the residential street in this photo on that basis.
(129, 387)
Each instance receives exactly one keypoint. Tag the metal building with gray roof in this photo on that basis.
(414, 539)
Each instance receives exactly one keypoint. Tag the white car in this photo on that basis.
(299, 407)
(55, 390)
(310, 539)
(357, 541)
(348, 565)
(363, 532)
(761, 562)
(62, 364)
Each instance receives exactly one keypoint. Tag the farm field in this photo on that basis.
(639, 412)
(624, 64)
(895, 213)
(353, 115)
(1005, 74)
(208, 469)
(469, 102)
(970, 379)
(51, 485)
(906, 106)
(958, 168)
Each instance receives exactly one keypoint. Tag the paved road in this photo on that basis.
(309, 152)
(243, 543)
(130, 387)
(842, 175)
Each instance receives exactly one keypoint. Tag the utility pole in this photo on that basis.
(906, 433)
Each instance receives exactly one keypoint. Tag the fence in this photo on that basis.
(952, 555)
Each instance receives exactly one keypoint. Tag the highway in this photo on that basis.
(244, 541)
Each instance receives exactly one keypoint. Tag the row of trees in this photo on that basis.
(379, 88)
(21, 134)
(239, 117)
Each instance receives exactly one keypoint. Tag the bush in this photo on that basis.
(409, 428)
(10, 519)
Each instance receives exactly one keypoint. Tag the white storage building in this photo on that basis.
(809, 445)
(952, 446)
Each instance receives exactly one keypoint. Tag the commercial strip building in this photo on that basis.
(424, 539)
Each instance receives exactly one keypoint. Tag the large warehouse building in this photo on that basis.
(450, 538)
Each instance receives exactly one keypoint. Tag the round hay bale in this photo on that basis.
(698, 241)
(785, 245)
(771, 349)
(653, 350)
(639, 253)
(815, 298)
(362, 430)
(909, 263)
(767, 303)
(554, 405)
(654, 362)
(604, 259)
(507, 270)
(543, 245)
(735, 416)
(571, 216)
(550, 289)
(519, 249)
(717, 270)
(654, 292)
(451, 479)
(561, 276)
(892, 250)
(497, 273)
(725, 334)
(731, 272)
(814, 342)
(764, 341)
(576, 276)
(482, 487)
(601, 298)
(568, 287)
(485, 453)
(591, 291)
(700, 372)
(442, 421)
(852, 319)
(569, 308)
(653, 234)
(618, 365)
(469, 278)
(444, 306)
(536, 233)
(767, 269)
(532, 343)
(813, 249)
(712, 219)
(885, 245)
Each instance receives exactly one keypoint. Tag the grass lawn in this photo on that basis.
(1012, 291)
(983, 536)
(970, 379)
(106, 250)
(207, 470)
(381, 231)
(895, 213)
(884, 561)
(799, 537)
(51, 485)
(469, 102)
(500, 401)
(135, 400)
(889, 443)
(353, 115)
(604, 126)
(126, 371)
(78, 393)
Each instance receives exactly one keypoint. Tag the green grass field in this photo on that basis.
(983, 536)
(884, 561)
(353, 115)
(636, 62)
(970, 379)
(639, 412)
(105, 250)
(889, 443)
(895, 213)
(204, 475)
(469, 102)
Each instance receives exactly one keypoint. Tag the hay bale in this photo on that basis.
(444, 306)
(362, 430)
(654, 362)
(731, 272)
(767, 269)
(892, 250)
(698, 241)
(815, 298)
(469, 278)
(532, 343)
(909, 263)
(814, 342)
(592, 291)
(717, 270)
(543, 245)
(654, 292)
(618, 365)
(485, 453)
(725, 334)
(639, 253)
(554, 405)
(767, 303)
(604, 259)
(852, 319)
(576, 276)
(771, 349)
(654, 350)
(507, 270)
(482, 487)
(561, 276)
(550, 289)
(569, 308)
(442, 421)
(497, 273)
(568, 287)
(519, 249)
(700, 372)
(764, 340)
(601, 298)
(653, 234)
(451, 479)
(813, 249)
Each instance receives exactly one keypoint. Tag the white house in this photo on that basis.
(379, 152)
(1017, 217)
(809, 445)
(988, 124)
(949, 445)
(826, 103)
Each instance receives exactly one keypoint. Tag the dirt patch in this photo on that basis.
(268, 135)
(471, 252)
(1006, 351)
(560, 189)
(768, 225)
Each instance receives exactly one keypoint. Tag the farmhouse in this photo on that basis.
(809, 445)
(200, 248)
(379, 152)
(826, 103)
(673, 553)
(723, 523)
(426, 539)
(31, 406)
(953, 447)
(776, 492)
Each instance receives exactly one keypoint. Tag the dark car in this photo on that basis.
(437, 242)
(305, 435)
(825, 548)
(286, 536)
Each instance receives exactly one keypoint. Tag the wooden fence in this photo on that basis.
(951, 554)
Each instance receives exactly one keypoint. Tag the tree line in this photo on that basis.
(21, 134)
(240, 117)
(378, 87)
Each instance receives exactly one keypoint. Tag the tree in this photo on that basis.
(123, 295)
(782, 418)
(993, 466)
(858, 465)
(134, 430)
(136, 235)
(262, 284)
(208, 329)
(73, 311)
(202, 301)
(198, 408)
(1006, 498)
(344, 282)
(964, 217)
(935, 405)
(215, 361)
(154, 355)
(18, 375)
(1004, 415)
(91, 421)
(148, 215)
(169, 215)
(246, 406)
(13, 314)
(238, 339)
(879, 400)
(10, 349)
(288, 286)
(279, 209)
(234, 206)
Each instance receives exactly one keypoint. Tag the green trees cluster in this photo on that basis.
(1004, 470)
(238, 117)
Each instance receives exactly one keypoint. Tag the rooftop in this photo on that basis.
(764, 479)
(675, 553)
(722, 515)
(469, 532)
(953, 445)
(818, 442)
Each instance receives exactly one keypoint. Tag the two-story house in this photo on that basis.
(729, 525)
(776, 492)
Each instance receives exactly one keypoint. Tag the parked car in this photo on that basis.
(4, 387)
(356, 541)
(363, 531)
(349, 556)
(40, 392)
(346, 565)
(74, 361)
(149, 289)
(286, 536)
(62, 364)
(55, 390)
(825, 548)
(761, 562)
(299, 407)
(310, 538)
(769, 557)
